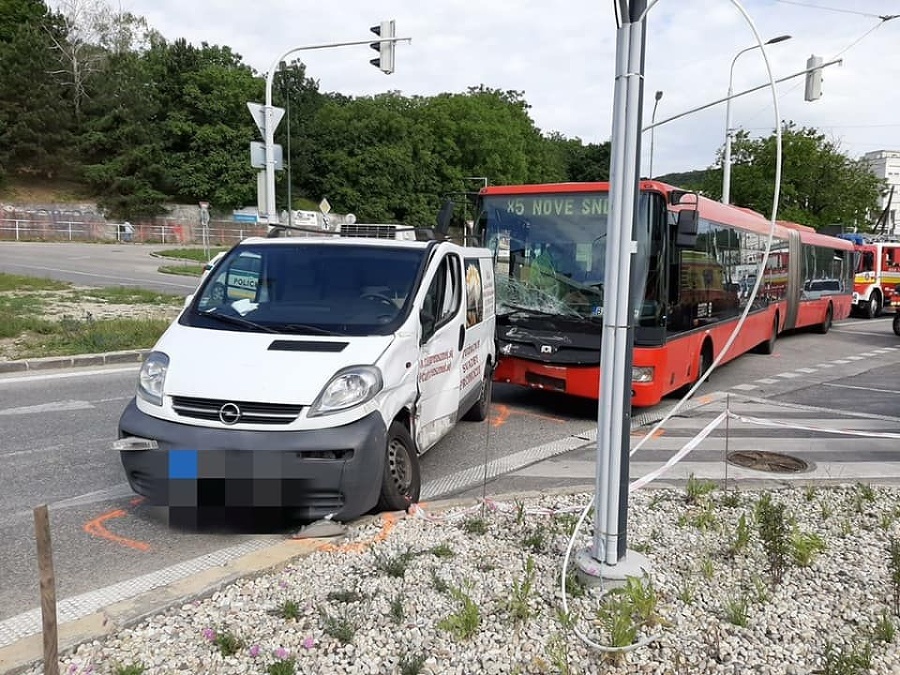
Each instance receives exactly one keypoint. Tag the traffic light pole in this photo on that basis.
(271, 123)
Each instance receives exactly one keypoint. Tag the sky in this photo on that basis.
(561, 55)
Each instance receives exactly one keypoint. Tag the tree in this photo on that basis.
(819, 184)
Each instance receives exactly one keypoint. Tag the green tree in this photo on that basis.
(820, 185)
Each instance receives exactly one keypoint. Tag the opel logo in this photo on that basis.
(230, 413)
(546, 349)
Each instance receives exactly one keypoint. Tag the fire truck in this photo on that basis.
(877, 272)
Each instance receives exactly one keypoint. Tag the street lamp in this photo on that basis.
(287, 106)
(726, 163)
(659, 95)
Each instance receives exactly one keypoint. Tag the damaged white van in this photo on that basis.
(309, 374)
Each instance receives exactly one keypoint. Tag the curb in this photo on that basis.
(76, 361)
(27, 652)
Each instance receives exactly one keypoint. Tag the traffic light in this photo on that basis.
(385, 49)
(813, 78)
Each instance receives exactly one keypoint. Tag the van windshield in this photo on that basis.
(311, 289)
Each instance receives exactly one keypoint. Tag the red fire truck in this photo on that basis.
(877, 272)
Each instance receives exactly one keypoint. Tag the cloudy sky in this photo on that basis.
(561, 56)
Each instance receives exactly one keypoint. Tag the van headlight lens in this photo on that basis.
(152, 378)
(642, 374)
(350, 387)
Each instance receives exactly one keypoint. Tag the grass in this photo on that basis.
(288, 610)
(196, 254)
(181, 270)
(24, 299)
(466, 620)
(130, 669)
(282, 667)
(228, 643)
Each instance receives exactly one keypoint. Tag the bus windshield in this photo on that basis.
(550, 251)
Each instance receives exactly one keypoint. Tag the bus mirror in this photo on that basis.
(687, 228)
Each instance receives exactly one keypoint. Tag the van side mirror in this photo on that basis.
(687, 225)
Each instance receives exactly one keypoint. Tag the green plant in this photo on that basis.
(474, 525)
(517, 602)
(288, 609)
(615, 617)
(884, 629)
(886, 521)
(826, 511)
(394, 565)
(520, 512)
(686, 591)
(809, 492)
(438, 583)
(731, 499)
(442, 551)
(736, 610)
(760, 588)
(773, 531)
(741, 536)
(282, 667)
(345, 595)
(696, 489)
(465, 621)
(642, 546)
(558, 651)
(707, 568)
(341, 628)
(657, 499)
(854, 660)
(228, 643)
(534, 541)
(412, 664)
(565, 619)
(705, 519)
(574, 586)
(894, 569)
(805, 546)
(866, 492)
(643, 600)
(398, 613)
(567, 523)
(846, 528)
(131, 669)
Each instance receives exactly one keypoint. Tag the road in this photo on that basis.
(95, 264)
(55, 430)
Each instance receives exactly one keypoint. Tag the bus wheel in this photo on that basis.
(768, 346)
(825, 326)
(401, 481)
(706, 359)
(873, 306)
(897, 322)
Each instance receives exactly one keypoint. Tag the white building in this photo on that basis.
(886, 164)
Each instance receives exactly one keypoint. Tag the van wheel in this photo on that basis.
(768, 346)
(479, 411)
(825, 326)
(401, 482)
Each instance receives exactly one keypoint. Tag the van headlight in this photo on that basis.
(152, 378)
(642, 374)
(350, 387)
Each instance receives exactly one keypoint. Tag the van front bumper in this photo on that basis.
(311, 473)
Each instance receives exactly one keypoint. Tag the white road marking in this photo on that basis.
(66, 375)
(55, 406)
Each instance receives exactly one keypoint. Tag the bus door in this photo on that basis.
(794, 279)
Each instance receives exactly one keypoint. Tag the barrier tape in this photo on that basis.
(801, 427)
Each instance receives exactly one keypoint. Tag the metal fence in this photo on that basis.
(220, 233)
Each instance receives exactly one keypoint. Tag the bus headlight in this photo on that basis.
(642, 374)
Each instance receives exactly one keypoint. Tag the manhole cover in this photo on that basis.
(762, 460)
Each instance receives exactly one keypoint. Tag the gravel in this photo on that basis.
(432, 594)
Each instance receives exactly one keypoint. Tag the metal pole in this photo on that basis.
(726, 160)
(659, 95)
(287, 114)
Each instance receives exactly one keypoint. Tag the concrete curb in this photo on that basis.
(27, 652)
(76, 361)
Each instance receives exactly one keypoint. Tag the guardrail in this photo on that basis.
(220, 233)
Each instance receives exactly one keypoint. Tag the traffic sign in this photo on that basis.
(324, 206)
(204, 206)
(258, 155)
(258, 111)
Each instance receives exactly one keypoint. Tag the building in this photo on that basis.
(886, 164)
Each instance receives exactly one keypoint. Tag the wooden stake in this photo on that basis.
(48, 590)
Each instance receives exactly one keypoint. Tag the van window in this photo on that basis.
(445, 291)
(309, 289)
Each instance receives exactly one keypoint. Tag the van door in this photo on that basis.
(479, 328)
(442, 325)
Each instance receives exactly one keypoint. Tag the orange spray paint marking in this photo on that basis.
(656, 434)
(502, 416)
(97, 528)
(388, 521)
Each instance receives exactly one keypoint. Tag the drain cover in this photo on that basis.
(761, 460)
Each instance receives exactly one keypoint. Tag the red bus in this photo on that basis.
(689, 284)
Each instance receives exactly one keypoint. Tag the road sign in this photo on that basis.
(258, 155)
(258, 111)
(324, 206)
(204, 206)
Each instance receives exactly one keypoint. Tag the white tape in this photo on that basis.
(678, 456)
(785, 425)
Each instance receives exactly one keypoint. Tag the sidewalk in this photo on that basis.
(135, 356)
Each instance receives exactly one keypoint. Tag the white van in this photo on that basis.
(310, 374)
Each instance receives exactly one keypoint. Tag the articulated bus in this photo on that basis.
(695, 266)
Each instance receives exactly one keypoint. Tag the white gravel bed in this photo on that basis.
(402, 624)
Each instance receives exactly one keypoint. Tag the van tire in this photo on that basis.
(401, 481)
(479, 411)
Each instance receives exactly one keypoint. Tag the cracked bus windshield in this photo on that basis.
(550, 251)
